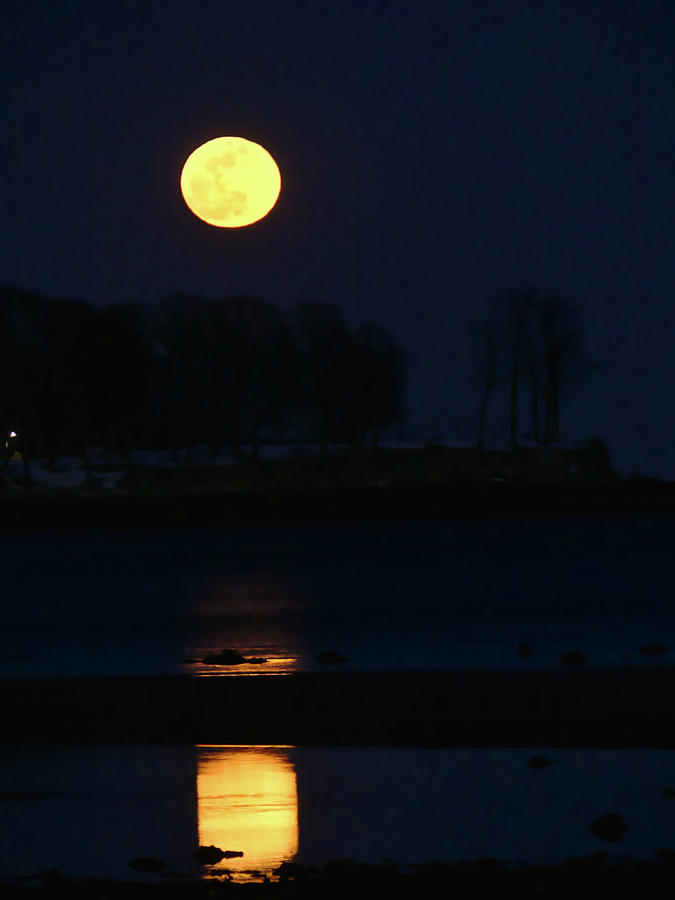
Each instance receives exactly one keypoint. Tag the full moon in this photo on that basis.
(230, 182)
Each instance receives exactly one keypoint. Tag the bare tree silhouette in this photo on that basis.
(489, 340)
(561, 344)
(533, 336)
(517, 306)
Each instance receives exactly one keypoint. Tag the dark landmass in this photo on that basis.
(579, 877)
(386, 484)
(463, 708)
(42, 510)
(228, 657)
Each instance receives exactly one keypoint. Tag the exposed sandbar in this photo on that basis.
(610, 708)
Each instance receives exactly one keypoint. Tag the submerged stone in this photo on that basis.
(539, 762)
(610, 827)
(331, 656)
(651, 650)
(572, 658)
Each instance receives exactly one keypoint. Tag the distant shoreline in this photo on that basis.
(40, 509)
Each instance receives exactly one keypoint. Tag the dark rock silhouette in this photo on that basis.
(626, 656)
(147, 864)
(572, 658)
(228, 657)
(668, 793)
(539, 762)
(610, 827)
(331, 656)
(652, 650)
(209, 856)
(524, 650)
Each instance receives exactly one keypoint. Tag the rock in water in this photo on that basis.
(209, 856)
(609, 828)
(331, 656)
(229, 657)
(524, 650)
(539, 762)
(572, 658)
(652, 650)
(226, 657)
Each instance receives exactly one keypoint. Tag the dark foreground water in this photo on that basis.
(89, 810)
(393, 595)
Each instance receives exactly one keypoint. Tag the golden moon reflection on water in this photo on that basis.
(230, 182)
(247, 800)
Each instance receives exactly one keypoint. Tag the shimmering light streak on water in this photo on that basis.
(247, 801)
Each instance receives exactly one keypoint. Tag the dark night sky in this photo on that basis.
(431, 156)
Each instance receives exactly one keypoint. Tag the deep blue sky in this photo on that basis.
(431, 156)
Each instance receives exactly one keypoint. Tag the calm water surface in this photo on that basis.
(408, 595)
(89, 810)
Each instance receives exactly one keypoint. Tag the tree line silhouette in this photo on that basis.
(189, 371)
(532, 336)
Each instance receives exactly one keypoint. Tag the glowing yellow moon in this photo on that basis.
(230, 182)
